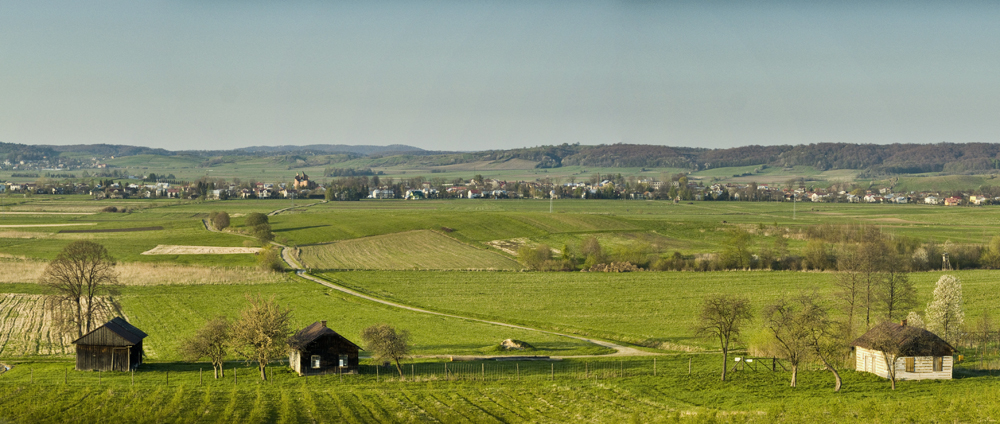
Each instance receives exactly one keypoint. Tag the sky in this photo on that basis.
(476, 75)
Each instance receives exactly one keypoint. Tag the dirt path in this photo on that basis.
(273, 213)
(621, 350)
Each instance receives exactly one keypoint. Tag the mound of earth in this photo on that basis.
(511, 344)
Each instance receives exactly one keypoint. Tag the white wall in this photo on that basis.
(874, 362)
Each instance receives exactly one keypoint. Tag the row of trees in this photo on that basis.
(801, 328)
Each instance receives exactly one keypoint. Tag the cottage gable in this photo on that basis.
(913, 341)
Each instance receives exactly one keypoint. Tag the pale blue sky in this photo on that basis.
(471, 75)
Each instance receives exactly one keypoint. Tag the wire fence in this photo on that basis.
(174, 374)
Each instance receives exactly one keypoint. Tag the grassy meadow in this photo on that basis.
(419, 253)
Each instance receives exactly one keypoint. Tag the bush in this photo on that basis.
(111, 209)
(220, 221)
(269, 260)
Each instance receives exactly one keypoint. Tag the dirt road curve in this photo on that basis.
(621, 350)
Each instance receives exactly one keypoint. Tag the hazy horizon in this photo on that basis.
(494, 75)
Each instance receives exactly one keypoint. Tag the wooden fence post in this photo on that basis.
(689, 365)
(376, 373)
(518, 366)
(552, 376)
(99, 374)
(484, 371)
(235, 378)
(133, 377)
(201, 379)
(586, 369)
(412, 374)
(31, 371)
(654, 366)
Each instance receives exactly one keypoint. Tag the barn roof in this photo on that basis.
(116, 332)
(307, 335)
(913, 341)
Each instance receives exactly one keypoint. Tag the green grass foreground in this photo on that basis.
(590, 390)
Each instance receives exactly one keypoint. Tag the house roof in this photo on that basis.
(116, 332)
(307, 335)
(913, 341)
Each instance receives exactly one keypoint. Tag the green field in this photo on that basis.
(418, 249)
(591, 390)
(655, 309)
(418, 253)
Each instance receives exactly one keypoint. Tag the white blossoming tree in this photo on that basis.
(944, 314)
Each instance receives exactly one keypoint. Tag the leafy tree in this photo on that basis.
(260, 332)
(220, 221)
(816, 254)
(591, 249)
(211, 341)
(991, 255)
(944, 314)
(385, 343)
(76, 279)
(534, 257)
(722, 317)
(737, 253)
(269, 258)
(256, 218)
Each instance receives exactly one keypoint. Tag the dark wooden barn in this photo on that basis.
(114, 346)
(317, 349)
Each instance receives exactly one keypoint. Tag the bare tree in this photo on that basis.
(722, 317)
(895, 293)
(802, 329)
(260, 333)
(77, 278)
(211, 342)
(385, 343)
(895, 341)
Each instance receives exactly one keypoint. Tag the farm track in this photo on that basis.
(620, 349)
(273, 213)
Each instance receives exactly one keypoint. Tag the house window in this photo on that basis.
(315, 361)
(938, 363)
(343, 360)
(909, 364)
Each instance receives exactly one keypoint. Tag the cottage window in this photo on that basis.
(315, 361)
(938, 363)
(343, 360)
(910, 365)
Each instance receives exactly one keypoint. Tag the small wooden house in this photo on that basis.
(317, 349)
(114, 346)
(920, 354)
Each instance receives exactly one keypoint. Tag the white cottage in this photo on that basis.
(919, 354)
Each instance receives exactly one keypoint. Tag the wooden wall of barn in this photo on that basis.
(107, 358)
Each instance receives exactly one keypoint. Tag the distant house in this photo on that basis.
(317, 349)
(921, 355)
(114, 346)
(952, 201)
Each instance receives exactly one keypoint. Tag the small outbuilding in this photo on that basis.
(114, 346)
(919, 354)
(317, 349)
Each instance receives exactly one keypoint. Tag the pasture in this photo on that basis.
(40, 391)
(418, 253)
(417, 249)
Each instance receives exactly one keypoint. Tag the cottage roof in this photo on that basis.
(913, 341)
(307, 335)
(116, 332)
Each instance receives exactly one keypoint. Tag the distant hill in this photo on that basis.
(333, 148)
(871, 159)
